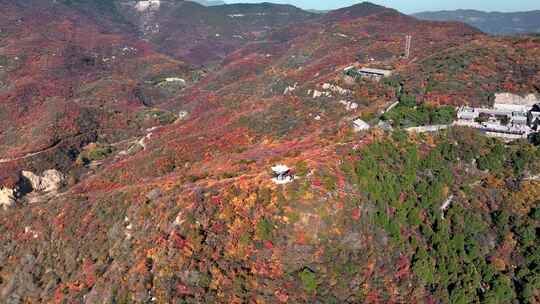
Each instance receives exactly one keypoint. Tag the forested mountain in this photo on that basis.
(139, 142)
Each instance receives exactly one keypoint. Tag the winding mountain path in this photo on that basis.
(52, 146)
(31, 154)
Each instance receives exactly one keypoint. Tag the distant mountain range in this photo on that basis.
(490, 22)
(496, 23)
(210, 2)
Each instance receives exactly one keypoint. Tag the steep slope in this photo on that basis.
(490, 22)
(471, 73)
(71, 83)
(203, 35)
(316, 52)
(94, 79)
(185, 30)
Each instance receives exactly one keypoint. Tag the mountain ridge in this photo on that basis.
(499, 23)
(210, 2)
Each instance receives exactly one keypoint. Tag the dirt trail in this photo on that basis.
(31, 154)
(51, 147)
(57, 143)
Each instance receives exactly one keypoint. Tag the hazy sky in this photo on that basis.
(413, 6)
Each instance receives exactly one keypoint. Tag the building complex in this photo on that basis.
(509, 117)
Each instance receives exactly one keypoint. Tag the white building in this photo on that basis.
(517, 124)
(467, 113)
(471, 114)
(519, 119)
(369, 73)
(282, 174)
(360, 125)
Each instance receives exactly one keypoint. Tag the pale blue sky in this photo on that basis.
(413, 6)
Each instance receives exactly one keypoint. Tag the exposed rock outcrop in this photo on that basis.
(7, 197)
(151, 5)
(145, 12)
(172, 84)
(509, 98)
(49, 181)
(349, 105)
(336, 89)
(182, 115)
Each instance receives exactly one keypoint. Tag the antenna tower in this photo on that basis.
(408, 42)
